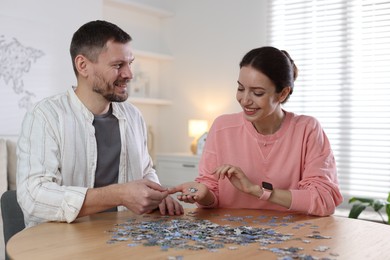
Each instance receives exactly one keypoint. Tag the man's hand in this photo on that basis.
(142, 196)
(171, 206)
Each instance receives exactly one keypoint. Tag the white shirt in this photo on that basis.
(57, 155)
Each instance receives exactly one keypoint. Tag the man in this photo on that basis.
(85, 151)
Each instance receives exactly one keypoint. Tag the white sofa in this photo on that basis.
(7, 176)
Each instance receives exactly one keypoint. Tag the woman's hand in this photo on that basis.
(191, 192)
(238, 178)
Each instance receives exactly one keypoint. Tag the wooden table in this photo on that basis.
(87, 237)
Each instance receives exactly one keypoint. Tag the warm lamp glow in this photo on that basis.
(197, 127)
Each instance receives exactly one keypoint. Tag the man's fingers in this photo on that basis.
(162, 207)
(173, 190)
(155, 186)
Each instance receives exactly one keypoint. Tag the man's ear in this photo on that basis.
(81, 63)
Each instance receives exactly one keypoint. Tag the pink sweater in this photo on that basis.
(298, 158)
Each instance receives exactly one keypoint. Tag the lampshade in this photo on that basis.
(197, 127)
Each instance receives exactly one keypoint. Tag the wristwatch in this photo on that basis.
(267, 190)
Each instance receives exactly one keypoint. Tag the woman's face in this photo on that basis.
(257, 96)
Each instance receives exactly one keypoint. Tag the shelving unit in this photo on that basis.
(159, 57)
(148, 64)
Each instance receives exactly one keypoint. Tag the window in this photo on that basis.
(342, 50)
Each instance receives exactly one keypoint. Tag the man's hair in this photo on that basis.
(91, 38)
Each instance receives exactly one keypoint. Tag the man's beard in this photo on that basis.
(105, 91)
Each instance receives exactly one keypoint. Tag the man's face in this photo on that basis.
(112, 72)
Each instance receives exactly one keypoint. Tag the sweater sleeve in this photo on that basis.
(318, 191)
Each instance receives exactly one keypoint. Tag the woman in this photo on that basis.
(265, 157)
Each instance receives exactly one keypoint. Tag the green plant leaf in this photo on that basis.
(356, 209)
(378, 204)
(364, 200)
(388, 209)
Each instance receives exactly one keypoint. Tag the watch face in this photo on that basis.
(267, 185)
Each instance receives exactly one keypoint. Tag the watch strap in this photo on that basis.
(266, 194)
(267, 190)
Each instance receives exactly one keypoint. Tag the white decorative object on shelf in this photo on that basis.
(139, 84)
(200, 144)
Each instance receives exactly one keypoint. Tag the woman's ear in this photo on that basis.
(81, 64)
(284, 94)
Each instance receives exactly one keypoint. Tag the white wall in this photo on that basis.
(47, 26)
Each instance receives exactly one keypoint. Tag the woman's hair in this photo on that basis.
(276, 64)
(90, 39)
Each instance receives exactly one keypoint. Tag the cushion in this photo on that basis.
(3, 166)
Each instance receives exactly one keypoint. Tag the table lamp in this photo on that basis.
(196, 129)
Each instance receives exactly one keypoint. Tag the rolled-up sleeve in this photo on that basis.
(41, 194)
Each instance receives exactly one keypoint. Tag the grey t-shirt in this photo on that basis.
(109, 147)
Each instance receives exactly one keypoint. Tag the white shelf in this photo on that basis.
(153, 55)
(148, 101)
(150, 10)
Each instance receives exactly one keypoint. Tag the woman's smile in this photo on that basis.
(250, 111)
